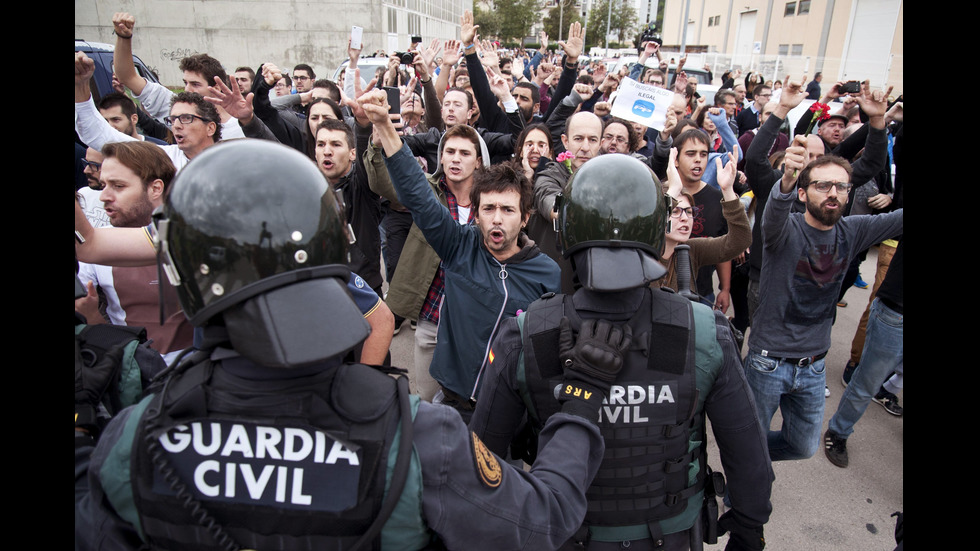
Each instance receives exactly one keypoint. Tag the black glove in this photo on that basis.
(91, 383)
(741, 537)
(591, 362)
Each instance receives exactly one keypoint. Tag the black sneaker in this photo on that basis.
(848, 372)
(835, 448)
(889, 401)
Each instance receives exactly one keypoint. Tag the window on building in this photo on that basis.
(790, 9)
(797, 49)
(392, 20)
(711, 21)
(784, 49)
(414, 24)
(804, 7)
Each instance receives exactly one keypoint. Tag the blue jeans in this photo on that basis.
(798, 392)
(884, 349)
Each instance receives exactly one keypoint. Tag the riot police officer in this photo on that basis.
(264, 439)
(681, 366)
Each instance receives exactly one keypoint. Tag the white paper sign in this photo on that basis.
(642, 103)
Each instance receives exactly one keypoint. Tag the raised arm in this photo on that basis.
(122, 58)
(92, 128)
(112, 246)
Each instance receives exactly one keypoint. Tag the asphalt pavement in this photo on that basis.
(816, 505)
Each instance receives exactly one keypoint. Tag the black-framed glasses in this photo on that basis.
(94, 165)
(675, 212)
(617, 139)
(823, 186)
(300, 78)
(186, 118)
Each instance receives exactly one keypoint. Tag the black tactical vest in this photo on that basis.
(646, 420)
(224, 462)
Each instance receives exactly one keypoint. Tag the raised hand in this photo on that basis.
(467, 30)
(874, 104)
(575, 43)
(450, 52)
(490, 58)
(792, 95)
(793, 163)
(726, 175)
(271, 74)
(499, 85)
(674, 183)
(669, 124)
(123, 24)
(429, 54)
(583, 90)
(353, 53)
(231, 100)
(84, 68)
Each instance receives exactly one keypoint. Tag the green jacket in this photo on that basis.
(410, 284)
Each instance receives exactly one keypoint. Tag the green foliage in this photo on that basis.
(623, 22)
(509, 20)
(569, 15)
(488, 20)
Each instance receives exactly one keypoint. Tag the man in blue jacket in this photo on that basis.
(492, 270)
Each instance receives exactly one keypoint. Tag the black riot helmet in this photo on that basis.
(253, 236)
(611, 222)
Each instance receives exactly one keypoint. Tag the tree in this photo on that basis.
(507, 19)
(567, 16)
(622, 23)
(488, 20)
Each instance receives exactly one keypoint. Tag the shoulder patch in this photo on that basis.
(487, 466)
(358, 282)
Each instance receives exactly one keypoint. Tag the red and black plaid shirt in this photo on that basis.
(433, 299)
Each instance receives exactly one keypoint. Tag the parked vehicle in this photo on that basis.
(102, 55)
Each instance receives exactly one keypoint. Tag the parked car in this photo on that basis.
(367, 65)
(102, 55)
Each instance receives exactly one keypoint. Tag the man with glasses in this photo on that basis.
(751, 117)
(804, 259)
(726, 100)
(199, 72)
(617, 137)
(195, 122)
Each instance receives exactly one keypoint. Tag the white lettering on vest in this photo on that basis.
(294, 436)
(339, 451)
(256, 487)
(200, 471)
(237, 442)
(180, 440)
(199, 446)
(267, 438)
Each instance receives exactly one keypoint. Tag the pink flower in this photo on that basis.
(565, 158)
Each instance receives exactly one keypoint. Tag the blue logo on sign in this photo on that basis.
(643, 108)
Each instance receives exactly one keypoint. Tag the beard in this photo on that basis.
(822, 214)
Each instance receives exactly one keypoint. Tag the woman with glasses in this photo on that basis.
(705, 251)
(320, 109)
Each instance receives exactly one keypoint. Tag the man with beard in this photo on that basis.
(804, 260)
(491, 269)
(135, 177)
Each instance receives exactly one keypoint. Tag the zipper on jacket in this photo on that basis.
(486, 353)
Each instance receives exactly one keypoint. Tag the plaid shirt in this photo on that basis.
(433, 299)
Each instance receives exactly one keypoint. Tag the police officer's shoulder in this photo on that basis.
(363, 393)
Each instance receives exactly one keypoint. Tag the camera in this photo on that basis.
(649, 34)
(850, 87)
(405, 58)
